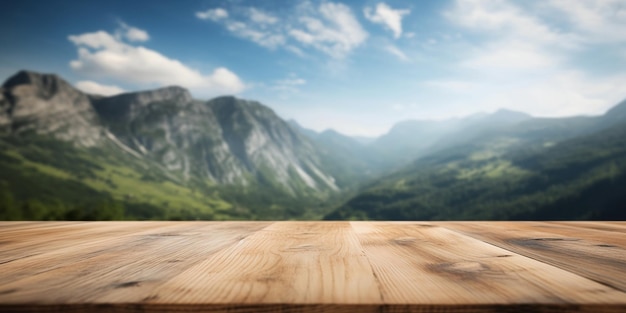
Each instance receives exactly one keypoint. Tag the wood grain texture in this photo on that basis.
(606, 226)
(595, 254)
(425, 263)
(312, 267)
(296, 262)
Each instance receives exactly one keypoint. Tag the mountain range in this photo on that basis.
(160, 154)
(163, 135)
(522, 169)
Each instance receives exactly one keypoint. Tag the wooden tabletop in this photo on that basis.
(313, 266)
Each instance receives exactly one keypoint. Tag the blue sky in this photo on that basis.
(355, 66)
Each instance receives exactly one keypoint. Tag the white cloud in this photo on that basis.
(100, 54)
(95, 88)
(385, 15)
(212, 14)
(553, 94)
(264, 38)
(513, 39)
(330, 28)
(564, 93)
(254, 29)
(97, 40)
(585, 22)
(597, 21)
(397, 52)
(302, 36)
(333, 29)
(520, 60)
(297, 51)
(500, 17)
(511, 55)
(131, 33)
(289, 83)
(261, 17)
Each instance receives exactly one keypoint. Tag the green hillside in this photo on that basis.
(581, 178)
(47, 179)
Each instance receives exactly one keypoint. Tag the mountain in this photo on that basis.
(160, 154)
(413, 138)
(406, 140)
(226, 140)
(267, 143)
(615, 114)
(46, 104)
(311, 134)
(238, 152)
(570, 168)
(350, 161)
(364, 140)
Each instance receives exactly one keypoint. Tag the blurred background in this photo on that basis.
(394, 110)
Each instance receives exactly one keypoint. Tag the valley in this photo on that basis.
(163, 155)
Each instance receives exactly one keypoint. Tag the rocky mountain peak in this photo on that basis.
(226, 139)
(46, 85)
(48, 105)
(166, 93)
(25, 77)
(170, 93)
(128, 104)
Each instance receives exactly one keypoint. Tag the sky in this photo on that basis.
(355, 66)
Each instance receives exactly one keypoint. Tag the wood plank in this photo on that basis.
(19, 243)
(605, 226)
(290, 262)
(602, 236)
(107, 270)
(421, 263)
(600, 260)
(296, 267)
(68, 245)
(5, 226)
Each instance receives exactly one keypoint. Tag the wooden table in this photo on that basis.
(313, 266)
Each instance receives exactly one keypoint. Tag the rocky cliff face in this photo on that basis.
(46, 104)
(167, 126)
(266, 145)
(226, 140)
